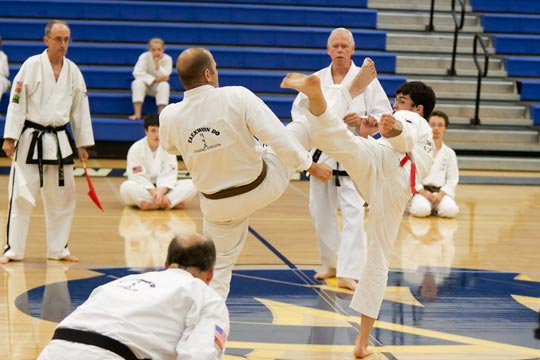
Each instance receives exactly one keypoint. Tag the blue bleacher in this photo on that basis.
(182, 33)
(190, 12)
(230, 57)
(511, 23)
(535, 113)
(254, 42)
(506, 6)
(518, 66)
(529, 90)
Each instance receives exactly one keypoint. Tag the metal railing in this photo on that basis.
(458, 25)
(430, 26)
(481, 73)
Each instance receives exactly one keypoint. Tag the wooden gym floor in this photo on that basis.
(459, 289)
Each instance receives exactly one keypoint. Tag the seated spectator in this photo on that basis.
(4, 71)
(436, 192)
(153, 174)
(151, 74)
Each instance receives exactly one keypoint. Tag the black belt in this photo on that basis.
(95, 339)
(37, 140)
(431, 188)
(238, 190)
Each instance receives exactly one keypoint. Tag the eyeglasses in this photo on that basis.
(60, 40)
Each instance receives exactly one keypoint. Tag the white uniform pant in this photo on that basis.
(342, 249)
(422, 207)
(133, 193)
(58, 204)
(161, 91)
(226, 221)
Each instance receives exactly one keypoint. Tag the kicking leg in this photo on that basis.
(365, 76)
(309, 86)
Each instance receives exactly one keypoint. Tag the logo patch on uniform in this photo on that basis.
(220, 337)
(16, 95)
(137, 169)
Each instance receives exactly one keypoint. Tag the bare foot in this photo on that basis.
(361, 351)
(346, 283)
(69, 258)
(364, 77)
(134, 117)
(4, 259)
(302, 83)
(148, 205)
(328, 273)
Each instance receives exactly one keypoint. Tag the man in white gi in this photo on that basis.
(216, 130)
(153, 174)
(169, 314)
(48, 92)
(151, 74)
(342, 251)
(381, 169)
(437, 191)
(4, 71)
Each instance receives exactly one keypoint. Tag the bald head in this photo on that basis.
(196, 67)
(191, 251)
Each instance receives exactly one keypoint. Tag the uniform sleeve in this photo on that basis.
(452, 174)
(135, 169)
(17, 108)
(164, 133)
(268, 128)
(206, 339)
(165, 66)
(81, 121)
(408, 138)
(4, 68)
(139, 71)
(168, 175)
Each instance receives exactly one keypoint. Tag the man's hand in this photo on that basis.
(321, 172)
(388, 126)
(352, 119)
(9, 147)
(83, 154)
(369, 126)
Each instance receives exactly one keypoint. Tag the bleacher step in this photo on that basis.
(498, 163)
(413, 5)
(431, 42)
(390, 20)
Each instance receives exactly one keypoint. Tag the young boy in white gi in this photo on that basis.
(151, 74)
(437, 191)
(153, 174)
(48, 92)
(169, 314)
(381, 169)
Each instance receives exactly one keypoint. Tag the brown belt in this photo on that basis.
(238, 190)
(431, 188)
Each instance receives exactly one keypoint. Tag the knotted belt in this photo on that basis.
(95, 339)
(37, 140)
(432, 189)
(335, 172)
(238, 190)
(412, 174)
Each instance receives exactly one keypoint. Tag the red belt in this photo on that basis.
(412, 175)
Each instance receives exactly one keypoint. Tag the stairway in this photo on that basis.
(506, 139)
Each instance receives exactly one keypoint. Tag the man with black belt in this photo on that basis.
(221, 134)
(170, 314)
(48, 93)
(341, 250)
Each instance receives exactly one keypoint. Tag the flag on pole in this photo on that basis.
(91, 191)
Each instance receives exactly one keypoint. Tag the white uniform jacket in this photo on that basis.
(149, 169)
(157, 315)
(144, 68)
(444, 173)
(36, 96)
(218, 126)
